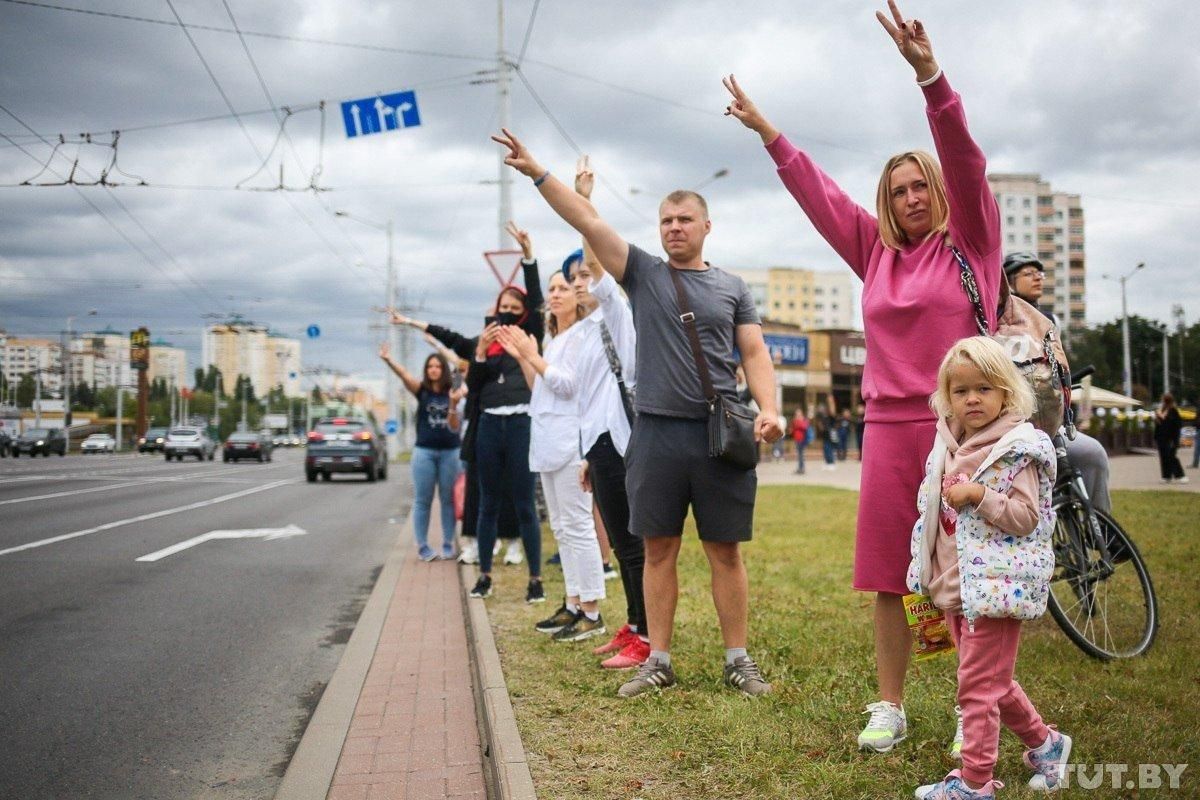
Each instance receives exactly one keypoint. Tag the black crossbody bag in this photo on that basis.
(730, 424)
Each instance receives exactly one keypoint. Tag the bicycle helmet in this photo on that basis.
(1014, 262)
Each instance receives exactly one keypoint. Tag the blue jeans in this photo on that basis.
(829, 449)
(800, 456)
(502, 449)
(433, 469)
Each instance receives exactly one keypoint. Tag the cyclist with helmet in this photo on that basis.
(1025, 277)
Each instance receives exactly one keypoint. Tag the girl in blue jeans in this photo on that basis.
(435, 462)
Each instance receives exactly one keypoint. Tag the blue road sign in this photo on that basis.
(391, 426)
(313, 331)
(388, 112)
(292, 376)
(791, 350)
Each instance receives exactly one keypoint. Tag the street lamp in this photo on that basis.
(1128, 385)
(390, 303)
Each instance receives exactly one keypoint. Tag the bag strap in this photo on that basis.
(972, 290)
(689, 325)
(614, 364)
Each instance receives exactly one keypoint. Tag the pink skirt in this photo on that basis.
(893, 467)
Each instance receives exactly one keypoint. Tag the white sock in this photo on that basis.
(574, 609)
(661, 656)
(592, 615)
(733, 653)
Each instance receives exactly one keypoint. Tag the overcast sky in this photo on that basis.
(1098, 97)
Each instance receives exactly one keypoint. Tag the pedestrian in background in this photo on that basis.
(1168, 426)
(844, 425)
(435, 462)
(800, 437)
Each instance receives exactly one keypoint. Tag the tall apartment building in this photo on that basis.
(169, 363)
(811, 299)
(26, 355)
(101, 359)
(1035, 218)
(244, 348)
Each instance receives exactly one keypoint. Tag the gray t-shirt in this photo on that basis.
(668, 383)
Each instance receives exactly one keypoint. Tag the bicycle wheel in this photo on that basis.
(1105, 605)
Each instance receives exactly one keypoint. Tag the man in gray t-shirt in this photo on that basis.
(668, 467)
(667, 380)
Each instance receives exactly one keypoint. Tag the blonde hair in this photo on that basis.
(998, 369)
(581, 310)
(890, 232)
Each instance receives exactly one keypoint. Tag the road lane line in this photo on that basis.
(73, 492)
(143, 517)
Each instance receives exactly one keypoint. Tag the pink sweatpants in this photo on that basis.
(987, 693)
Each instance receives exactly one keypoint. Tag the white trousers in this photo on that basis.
(575, 531)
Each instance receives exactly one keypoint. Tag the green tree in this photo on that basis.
(26, 390)
(198, 378)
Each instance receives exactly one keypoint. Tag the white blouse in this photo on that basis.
(553, 406)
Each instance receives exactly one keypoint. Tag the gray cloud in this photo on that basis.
(1098, 98)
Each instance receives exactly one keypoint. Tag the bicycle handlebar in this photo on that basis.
(1076, 377)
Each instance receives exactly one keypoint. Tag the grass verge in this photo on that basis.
(812, 635)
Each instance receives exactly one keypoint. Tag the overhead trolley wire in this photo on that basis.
(260, 34)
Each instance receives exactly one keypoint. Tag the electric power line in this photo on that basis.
(260, 34)
(578, 151)
(528, 32)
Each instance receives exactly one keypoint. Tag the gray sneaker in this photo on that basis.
(650, 675)
(743, 674)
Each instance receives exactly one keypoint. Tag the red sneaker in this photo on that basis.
(632, 655)
(624, 636)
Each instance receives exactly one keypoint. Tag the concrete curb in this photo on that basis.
(506, 769)
(310, 772)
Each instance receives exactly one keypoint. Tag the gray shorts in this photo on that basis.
(668, 468)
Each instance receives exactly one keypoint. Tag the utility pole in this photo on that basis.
(1166, 361)
(37, 398)
(120, 409)
(502, 108)
(1128, 377)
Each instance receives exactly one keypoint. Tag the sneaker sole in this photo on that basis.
(888, 749)
(481, 596)
(579, 637)
(549, 630)
(535, 600)
(647, 690)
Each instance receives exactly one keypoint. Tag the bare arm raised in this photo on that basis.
(576, 211)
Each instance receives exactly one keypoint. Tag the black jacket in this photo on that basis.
(477, 378)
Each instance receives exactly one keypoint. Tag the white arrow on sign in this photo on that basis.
(253, 533)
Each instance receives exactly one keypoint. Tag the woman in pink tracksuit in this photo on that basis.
(914, 309)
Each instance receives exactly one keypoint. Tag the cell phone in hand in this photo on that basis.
(488, 321)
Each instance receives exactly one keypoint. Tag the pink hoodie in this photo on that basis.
(1015, 512)
(914, 306)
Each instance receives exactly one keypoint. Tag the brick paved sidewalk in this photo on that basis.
(414, 733)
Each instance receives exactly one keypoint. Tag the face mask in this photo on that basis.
(507, 318)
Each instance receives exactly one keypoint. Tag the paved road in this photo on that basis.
(189, 676)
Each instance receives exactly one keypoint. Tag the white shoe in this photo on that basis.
(956, 742)
(496, 548)
(470, 553)
(512, 554)
(886, 728)
(610, 572)
(1184, 479)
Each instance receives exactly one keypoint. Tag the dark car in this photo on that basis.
(5, 443)
(152, 442)
(40, 441)
(247, 445)
(343, 444)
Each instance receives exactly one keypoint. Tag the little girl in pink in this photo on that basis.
(981, 551)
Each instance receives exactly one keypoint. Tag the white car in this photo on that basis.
(98, 443)
(182, 442)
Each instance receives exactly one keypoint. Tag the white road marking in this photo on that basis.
(268, 534)
(142, 518)
(73, 492)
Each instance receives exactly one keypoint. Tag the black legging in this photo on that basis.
(607, 470)
(1168, 461)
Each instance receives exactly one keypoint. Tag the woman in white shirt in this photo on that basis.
(554, 455)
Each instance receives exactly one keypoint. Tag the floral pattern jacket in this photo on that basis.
(1002, 575)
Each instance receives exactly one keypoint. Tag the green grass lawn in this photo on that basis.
(812, 636)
